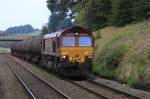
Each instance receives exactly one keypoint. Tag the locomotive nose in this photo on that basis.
(76, 54)
(76, 58)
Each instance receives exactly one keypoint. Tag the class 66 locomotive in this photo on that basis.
(68, 52)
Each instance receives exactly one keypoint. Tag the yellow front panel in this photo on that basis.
(76, 54)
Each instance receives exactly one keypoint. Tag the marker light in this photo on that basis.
(77, 33)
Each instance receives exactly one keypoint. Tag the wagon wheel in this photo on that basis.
(59, 67)
(49, 65)
(55, 66)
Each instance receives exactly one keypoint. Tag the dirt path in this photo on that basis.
(1, 92)
(9, 86)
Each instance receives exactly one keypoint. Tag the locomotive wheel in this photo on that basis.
(36, 59)
(44, 62)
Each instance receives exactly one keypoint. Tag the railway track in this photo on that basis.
(83, 92)
(117, 93)
(102, 90)
(35, 86)
(128, 94)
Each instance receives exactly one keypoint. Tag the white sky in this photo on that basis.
(21, 12)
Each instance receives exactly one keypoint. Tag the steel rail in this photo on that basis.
(64, 95)
(18, 77)
(116, 90)
(101, 96)
(90, 81)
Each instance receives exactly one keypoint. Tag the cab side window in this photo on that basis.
(43, 45)
(54, 47)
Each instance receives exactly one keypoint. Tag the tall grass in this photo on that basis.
(124, 53)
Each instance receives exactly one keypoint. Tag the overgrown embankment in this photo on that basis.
(124, 53)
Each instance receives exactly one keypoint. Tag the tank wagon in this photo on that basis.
(68, 52)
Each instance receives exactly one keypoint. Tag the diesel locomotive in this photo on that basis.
(68, 52)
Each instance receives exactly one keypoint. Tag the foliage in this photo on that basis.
(126, 51)
(121, 12)
(141, 10)
(93, 14)
(131, 81)
(102, 70)
(44, 30)
(129, 11)
(61, 14)
(111, 56)
(25, 29)
(97, 34)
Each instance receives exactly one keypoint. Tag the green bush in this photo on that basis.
(102, 70)
(131, 81)
(111, 57)
(97, 34)
(124, 53)
(148, 55)
(140, 72)
(107, 61)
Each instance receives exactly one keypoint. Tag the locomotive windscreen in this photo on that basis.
(85, 41)
(68, 41)
(77, 41)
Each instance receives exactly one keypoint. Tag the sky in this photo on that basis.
(21, 12)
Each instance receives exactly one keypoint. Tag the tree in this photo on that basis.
(129, 11)
(60, 13)
(44, 30)
(122, 12)
(23, 29)
(141, 10)
(93, 14)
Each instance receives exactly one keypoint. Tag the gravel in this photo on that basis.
(102, 90)
(69, 89)
(123, 87)
(40, 89)
(1, 91)
(10, 88)
(76, 92)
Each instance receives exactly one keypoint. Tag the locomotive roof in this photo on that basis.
(58, 33)
(51, 35)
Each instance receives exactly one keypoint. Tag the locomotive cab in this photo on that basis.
(76, 47)
(76, 50)
(69, 52)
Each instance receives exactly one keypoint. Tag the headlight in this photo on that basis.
(64, 56)
(90, 56)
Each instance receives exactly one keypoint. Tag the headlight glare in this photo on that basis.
(90, 56)
(64, 56)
